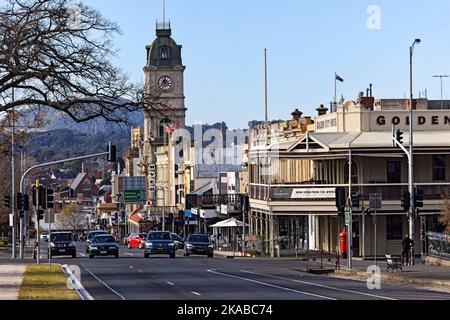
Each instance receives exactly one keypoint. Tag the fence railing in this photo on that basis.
(393, 191)
(438, 245)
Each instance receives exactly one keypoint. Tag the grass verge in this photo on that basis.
(42, 283)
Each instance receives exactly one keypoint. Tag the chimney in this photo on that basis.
(296, 114)
(370, 90)
(367, 92)
(82, 167)
(321, 110)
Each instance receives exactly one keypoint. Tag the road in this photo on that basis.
(131, 277)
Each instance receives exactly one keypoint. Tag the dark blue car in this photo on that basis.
(159, 242)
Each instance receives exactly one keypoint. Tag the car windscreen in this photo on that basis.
(103, 239)
(93, 234)
(159, 236)
(142, 235)
(61, 237)
(177, 237)
(198, 238)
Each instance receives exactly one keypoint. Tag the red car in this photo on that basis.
(136, 240)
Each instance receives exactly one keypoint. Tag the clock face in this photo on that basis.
(165, 83)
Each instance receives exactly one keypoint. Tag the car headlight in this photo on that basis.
(189, 246)
(149, 244)
(93, 248)
(210, 246)
(72, 244)
(52, 245)
(113, 247)
(172, 244)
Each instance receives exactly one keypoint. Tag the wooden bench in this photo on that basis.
(393, 263)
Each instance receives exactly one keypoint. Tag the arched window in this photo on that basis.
(164, 52)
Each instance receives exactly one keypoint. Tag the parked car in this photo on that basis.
(136, 240)
(125, 239)
(159, 242)
(103, 245)
(179, 241)
(44, 236)
(91, 235)
(62, 244)
(198, 244)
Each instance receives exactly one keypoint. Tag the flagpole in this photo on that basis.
(335, 91)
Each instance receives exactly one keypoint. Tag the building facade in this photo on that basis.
(293, 176)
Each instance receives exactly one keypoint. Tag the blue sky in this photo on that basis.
(307, 41)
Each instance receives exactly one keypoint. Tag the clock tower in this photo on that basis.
(164, 83)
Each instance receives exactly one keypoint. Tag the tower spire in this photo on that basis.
(164, 12)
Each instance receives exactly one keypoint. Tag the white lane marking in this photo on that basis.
(102, 282)
(82, 254)
(196, 293)
(272, 285)
(170, 283)
(130, 254)
(131, 267)
(319, 285)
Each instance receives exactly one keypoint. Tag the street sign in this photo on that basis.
(11, 223)
(375, 200)
(347, 218)
(132, 195)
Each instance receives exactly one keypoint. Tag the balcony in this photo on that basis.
(322, 192)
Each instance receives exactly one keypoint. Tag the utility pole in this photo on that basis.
(38, 254)
(350, 232)
(412, 230)
(266, 115)
(13, 185)
(442, 76)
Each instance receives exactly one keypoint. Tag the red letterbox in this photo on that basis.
(343, 242)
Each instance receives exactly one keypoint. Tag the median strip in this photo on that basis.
(40, 282)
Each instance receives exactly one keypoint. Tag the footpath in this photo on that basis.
(420, 275)
(11, 277)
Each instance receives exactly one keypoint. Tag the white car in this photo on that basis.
(44, 237)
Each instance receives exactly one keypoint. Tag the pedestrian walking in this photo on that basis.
(407, 244)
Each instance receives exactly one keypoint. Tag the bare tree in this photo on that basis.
(58, 54)
(444, 218)
(72, 218)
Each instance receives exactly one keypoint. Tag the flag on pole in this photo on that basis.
(339, 78)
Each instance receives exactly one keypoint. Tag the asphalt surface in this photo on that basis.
(131, 277)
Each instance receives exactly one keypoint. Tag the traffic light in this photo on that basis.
(355, 200)
(340, 200)
(111, 153)
(418, 198)
(245, 203)
(7, 201)
(40, 214)
(50, 198)
(399, 136)
(41, 197)
(26, 202)
(23, 203)
(406, 201)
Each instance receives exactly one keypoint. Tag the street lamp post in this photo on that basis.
(412, 232)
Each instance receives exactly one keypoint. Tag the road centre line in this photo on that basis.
(320, 285)
(102, 282)
(130, 254)
(196, 293)
(170, 283)
(272, 285)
